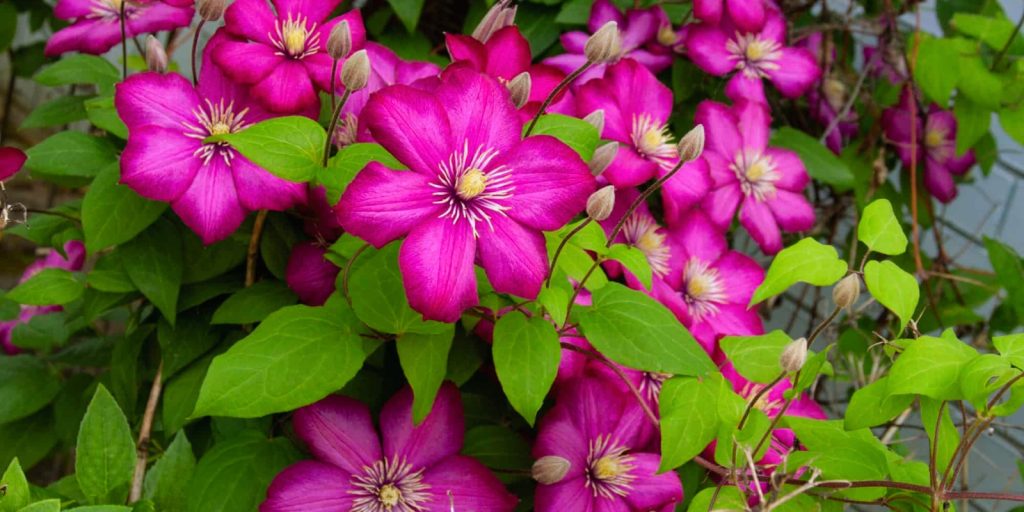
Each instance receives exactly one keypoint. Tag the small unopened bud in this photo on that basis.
(339, 43)
(499, 16)
(156, 56)
(602, 158)
(520, 89)
(211, 10)
(596, 119)
(601, 203)
(550, 469)
(692, 144)
(667, 35)
(794, 356)
(605, 45)
(846, 291)
(356, 71)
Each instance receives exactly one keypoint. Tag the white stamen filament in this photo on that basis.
(390, 486)
(609, 468)
(703, 289)
(293, 38)
(216, 119)
(642, 232)
(471, 189)
(654, 141)
(754, 56)
(757, 174)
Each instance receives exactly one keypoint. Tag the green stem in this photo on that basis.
(554, 92)
(334, 125)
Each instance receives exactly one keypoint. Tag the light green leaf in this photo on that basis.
(26, 385)
(342, 167)
(1011, 346)
(424, 360)
(976, 81)
(931, 367)
(50, 286)
(937, 72)
(840, 454)
(16, 493)
(234, 475)
(253, 304)
(756, 358)
(1012, 121)
(106, 450)
(880, 230)
(555, 300)
(983, 376)
(113, 213)
(290, 148)
(994, 32)
(578, 134)
(894, 288)
(153, 262)
(635, 330)
(80, 69)
(972, 123)
(807, 261)
(634, 260)
(948, 437)
(821, 164)
(408, 11)
(689, 418)
(167, 481)
(873, 405)
(526, 356)
(73, 154)
(61, 110)
(728, 499)
(52, 505)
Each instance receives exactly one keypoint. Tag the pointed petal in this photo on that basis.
(650, 490)
(463, 483)
(695, 237)
(463, 48)
(165, 100)
(381, 205)
(686, 189)
(796, 71)
(741, 275)
(720, 127)
(706, 46)
(551, 182)
(792, 211)
(748, 15)
(756, 122)
(438, 437)
(412, 125)
(792, 174)
(210, 206)
(480, 111)
(629, 169)
(720, 204)
(508, 53)
(601, 12)
(287, 89)
(439, 285)
(158, 163)
(251, 19)
(245, 62)
(309, 486)
(514, 257)
(759, 221)
(640, 27)
(339, 430)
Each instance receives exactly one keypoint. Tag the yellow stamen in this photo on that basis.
(471, 184)
(697, 285)
(389, 496)
(294, 38)
(756, 170)
(220, 128)
(934, 138)
(608, 467)
(755, 51)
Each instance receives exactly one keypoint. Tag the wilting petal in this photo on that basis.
(740, 275)
(309, 274)
(790, 168)
(706, 46)
(514, 257)
(339, 430)
(412, 125)
(939, 181)
(792, 211)
(287, 89)
(755, 121)
(551, 182)
(210, 206)
(158, 163)
(480, 111)
(154, 99)
(260, 190)
(309, 486)
(797, 70)
(438, 437)
(248, 63)
(251, 19)
(721, 133)
(381, 205)
(11, 161)
(439, 285)
(315, 10)
(759, 221)
(685, 189)
(747, 14)
(462, 483)
(650, 490)
(720, 204)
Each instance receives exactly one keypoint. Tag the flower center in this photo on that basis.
(703, 289)
(471, 188)
(215, 119)
(608, 468)
(651, 384)
(294, 39)
(753, 55)
(112, 9)
(935, 138)
(389, 486)
(653, 140)
(764, 403)
(642, 232)
(757, 175)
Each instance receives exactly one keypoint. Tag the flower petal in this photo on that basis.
(515, 257)
(287, 89)
(155, 99)
(309, 274)
(508, 53)
(158, 163)
(412, 125)
(88, 35)
(792, 211)
(650, 490)
(694, 236)
(720, 204)
(315, 10)
(756, 122)
(480, 111)
(551, 182)
(629, 168)
(11, 161)
(260, 190)
(210, 205)
(381, 204)
(706, 47)
(438, 437)
(748, 15)
(462, 483)
(790, 168)
(742, 87)
(463, 48)
(796, 71)
(309, 486)
(569, 494)
(245, 62)
(339, 430)
(685, 189)
(939, 181)
(439, 285)
(740, 275)
(251, 19)
(159, 16)
(601, 12)
(759, 221)
(708, 10)
(720, 128)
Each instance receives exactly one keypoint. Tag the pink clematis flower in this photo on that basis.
(724, 48)
(935, 146)
(282, 54)
(603, 435)
(73, 259)
(638, 28)
(210, 186)
(475, 189)
(405, 469)
(746, 15)
(828, 97)
(96, 24)
(636, 110)
(766, 184)
(11, 161)
(309, 274)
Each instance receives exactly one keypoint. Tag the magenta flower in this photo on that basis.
(475, 188)
(73, 261)
(828, 97)
(604, 436)
(935, 146)
(636, 110)
(746, 15)
(11, 161)
(890, 64)
(96, 24)
(766, 184)
(210, 186)
(638, 28)
(309, 274)
(281, 54)
(723, 48)
(405, 469)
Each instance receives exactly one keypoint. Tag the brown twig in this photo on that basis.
(254, 248)
(142, 447)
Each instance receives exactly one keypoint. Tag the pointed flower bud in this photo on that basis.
(692, 144)
(519, 86)
(602, 158)
(794, 356)
(356, 71)
(499, 16)
(605, 45)
(601, 203)
(550, 469)
(211, 10)
(846, 291)
(156, 56)
(339, 43)
(596, 119)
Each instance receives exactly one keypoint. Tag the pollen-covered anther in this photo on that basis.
(389, 495)
(757, 175)
(653, 140)
(609, 471)
(704, 290)
(295, 37)
(472, 184)
(753, 55)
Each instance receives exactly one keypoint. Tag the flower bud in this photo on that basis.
(605, 45)
(846, 291)
(519, 86)
(667, 35)
(339, 43)
(156, 56)
(794, 356)
(692, 144)
(601, 203)
(211, 10)
(603, 157)
(356, 71)
(499, 16)
(596, 119)
(550, 469)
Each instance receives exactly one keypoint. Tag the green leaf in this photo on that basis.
(8, 25)
(976, 81)
(41, 332)
(840, 454)
(106, 451)
(873, 405)
(50, 286)
(52, 505)
(994, 32)
(295, 357)
(807, 261)
(113, 213)
(73, 154)
(408, 11)
(378, 296)
(931, 367)
(153, 262)
(634, 260)
(1010, 271)
(16, 491)
(689, 418)
(578, 134)
(972, 123)
(1011, 346)
(26, 385)
(637, 331)
(497, 447)
(822, 164)
(948, 437)
(342, 167)
(234, 475)
(880, 230)
(727, 498)
(253, 304)
(80, 69)
(180, 394)
(894, 288)
(756, 358)
(29, 439)
(937, 72)
(526, 356)
(61, 110)
(1012, 120)
(555, 300)
(103, 115)
(167, 481)
(983, 376)
(291, 147)
(424, 360)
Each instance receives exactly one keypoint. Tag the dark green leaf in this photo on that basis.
(106, 451)
(72, 154)
(234, 475)
(378, 296)
(103, 115)
(50, 286)
(167, 481)
(526, 356)
(113, 213)
(408, 11)
(253, 304)
(342, 168)
(497, 447)
(26, 385)
(62, 110)
(821, 164)
(153, 262)
(29, 439)
(80, 69)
